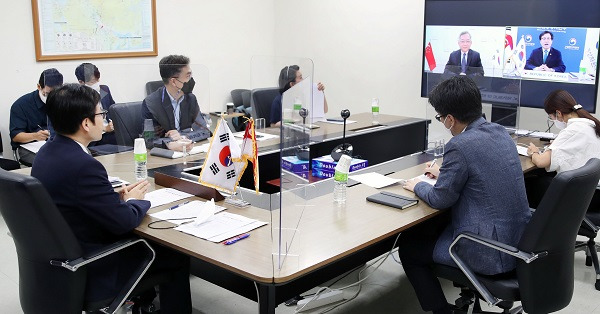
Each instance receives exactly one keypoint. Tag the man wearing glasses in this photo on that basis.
(28, 120)
(174, 110)
(546, 58)
(480, 183)
(97, 215)
(464, 61)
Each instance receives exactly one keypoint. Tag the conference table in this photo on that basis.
(328, 239)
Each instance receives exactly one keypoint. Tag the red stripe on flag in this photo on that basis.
(429, 56)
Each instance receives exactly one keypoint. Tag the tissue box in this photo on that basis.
(293, 164)
(326, 163)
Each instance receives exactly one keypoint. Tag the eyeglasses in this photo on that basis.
(103, 113)
(439, 117)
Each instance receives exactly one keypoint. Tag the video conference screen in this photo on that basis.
(515, 51)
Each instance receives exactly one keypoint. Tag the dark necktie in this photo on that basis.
(464, 63)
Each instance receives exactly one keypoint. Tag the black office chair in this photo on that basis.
(52, 272)
(7, 164)
(544, 277)
(261, 100)
(589, 228)
(246, 99)
(127, 120)
(152, 86)
(236, 97)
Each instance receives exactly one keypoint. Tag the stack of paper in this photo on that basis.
(165, 196)
(221, 227)
(186, 212)
(374, 179)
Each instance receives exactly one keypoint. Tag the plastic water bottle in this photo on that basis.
(341, 179)
(141, 157)
(148, 133)
(375, 110)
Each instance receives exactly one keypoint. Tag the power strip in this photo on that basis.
(323, 299)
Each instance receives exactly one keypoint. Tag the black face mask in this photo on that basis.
(188, 86)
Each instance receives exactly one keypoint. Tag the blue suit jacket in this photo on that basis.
(474, 66)
(554, 60)
(79, 186)
(481, 182)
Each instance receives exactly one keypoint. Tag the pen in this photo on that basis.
(235, 239)
(432, 164)
(173, 207)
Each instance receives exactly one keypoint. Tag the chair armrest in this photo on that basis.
(502, 247)
(589, 224)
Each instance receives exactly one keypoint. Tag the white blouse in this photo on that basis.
(574, 145)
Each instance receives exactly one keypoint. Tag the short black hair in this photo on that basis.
(68, 105)
(287, 76)
(458, 96)
(51, 78)
(171, 65)
(547, 32)
(85, 71)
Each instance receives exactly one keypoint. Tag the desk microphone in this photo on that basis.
(344, 148)
(303, 151)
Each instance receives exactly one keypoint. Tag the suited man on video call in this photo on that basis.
(464, 61)
(546, 58)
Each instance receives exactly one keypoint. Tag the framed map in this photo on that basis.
(89, 29)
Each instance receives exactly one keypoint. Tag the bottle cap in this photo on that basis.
(343, 164)
(139, 146)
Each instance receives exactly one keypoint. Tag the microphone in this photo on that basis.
(303, 151)
(344, 148)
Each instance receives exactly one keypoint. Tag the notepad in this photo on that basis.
(393, 200)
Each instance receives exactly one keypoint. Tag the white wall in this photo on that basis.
(222, 35)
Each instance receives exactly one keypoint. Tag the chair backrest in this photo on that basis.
(236, 96)
(246, 99)
(41, 234)
(152, 86)
(7, 164)
(261, 100)
(127, 120)
(546, 284)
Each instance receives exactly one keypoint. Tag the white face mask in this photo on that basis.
(448, 129)
(560, 124)
(42, 97)
(95, 86)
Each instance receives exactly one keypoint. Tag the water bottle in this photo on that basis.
(341, 179)
(148, 133)
(375, 110)
(141, 157)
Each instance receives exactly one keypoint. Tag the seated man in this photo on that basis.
(464, 61)
(98, 215)
(546, 58)
(481, 184)
(88, 74)
(174, 109)
(28, 120)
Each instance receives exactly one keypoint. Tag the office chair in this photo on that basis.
(261, 100)
(246, 99)
(127, 120)
(544, 277)
(52, 267)
(236, 96)
(8, 164)
(589, 228)
(153, 86)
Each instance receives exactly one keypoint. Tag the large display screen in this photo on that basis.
(515, 53)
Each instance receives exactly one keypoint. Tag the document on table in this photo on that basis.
(535, 134)
(426, 179)
(117, 182)
(522, 150)
(195, 150)
(374, 179)
(260, 136)
(338, 121)
(33, 147)
(221, 227)
(191, 210)
(165, 196)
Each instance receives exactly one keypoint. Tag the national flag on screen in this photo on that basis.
(520, 55)
(249, 152)
(219, 170)
(508, 42)
(430, 57)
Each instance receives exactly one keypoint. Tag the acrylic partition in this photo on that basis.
(124, 83)
(289, 80)
(501, 104)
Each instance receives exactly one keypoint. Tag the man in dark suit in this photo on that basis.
(545, 58)
(464, 61)
(98, 215)
(481, 184)
(174, 109)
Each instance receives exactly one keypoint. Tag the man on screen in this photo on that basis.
(464, 61)
(545, 58)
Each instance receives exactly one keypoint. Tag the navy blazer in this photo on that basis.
(474, 66)
(481, 182)
(79, 186)
(157, 106)
(554, 60)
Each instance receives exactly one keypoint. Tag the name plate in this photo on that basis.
(544, 75)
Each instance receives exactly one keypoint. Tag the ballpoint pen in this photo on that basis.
(431, 165)
(173, 207)
(235, 239)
